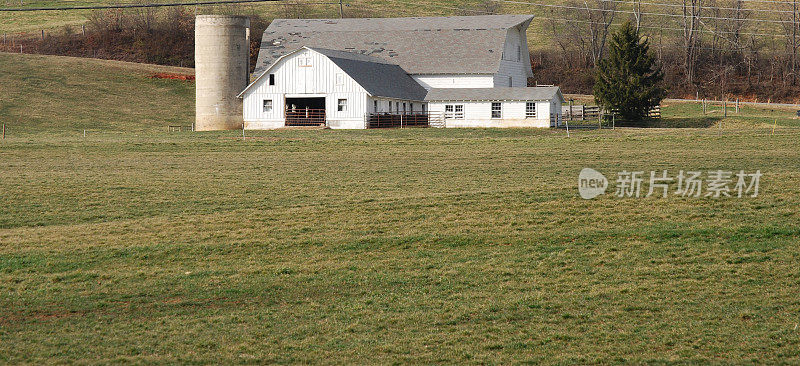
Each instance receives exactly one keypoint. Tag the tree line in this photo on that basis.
(707, 48)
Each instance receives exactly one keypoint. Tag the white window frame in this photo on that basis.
(499, 110)
(454, 111)
(341, 105)
(339, 79)
(267, 106)
(530, 110)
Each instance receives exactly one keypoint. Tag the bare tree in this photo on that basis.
(729, 20)
(692, 10)
(791, 28)
(637, 13)
(600, 14)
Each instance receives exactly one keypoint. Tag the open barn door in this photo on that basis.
(305, 112)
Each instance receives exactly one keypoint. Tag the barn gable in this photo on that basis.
(420, 46)
(376, 76)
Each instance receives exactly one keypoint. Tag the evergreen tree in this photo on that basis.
(628, 79)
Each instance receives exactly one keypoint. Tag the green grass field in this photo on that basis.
(421, 246)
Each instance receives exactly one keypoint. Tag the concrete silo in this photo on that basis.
(222, 70)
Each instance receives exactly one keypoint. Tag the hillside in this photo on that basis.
(655, 20)
(66, 94)
(740, 49)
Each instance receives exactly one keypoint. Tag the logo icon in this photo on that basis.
(591, 183)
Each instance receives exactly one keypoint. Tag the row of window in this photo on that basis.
(396, 106)
(456, 111)
(451, 111)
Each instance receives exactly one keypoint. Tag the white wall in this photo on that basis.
(294, 79)
(479, 114)
(454, 81)
(513, 64)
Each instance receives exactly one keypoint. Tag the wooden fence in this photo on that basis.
(404, 120)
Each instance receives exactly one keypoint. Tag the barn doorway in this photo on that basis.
(305, 112)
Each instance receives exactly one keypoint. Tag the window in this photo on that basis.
(412, 107)
(375, 103)
(404, 108)
(454, 111)
(342, 105)
(390, 107)
(497, 110)
(423, 108)
(304, 61)
(530, 110)
(267, 105)
(339, 79)
(271, 79)
(510, 81)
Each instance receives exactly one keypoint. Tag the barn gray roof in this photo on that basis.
(379, 77)
(495, 94)
(437, 45)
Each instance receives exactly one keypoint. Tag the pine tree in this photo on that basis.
(628, 79)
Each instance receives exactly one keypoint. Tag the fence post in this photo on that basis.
(4, 131)
(570, 109)
(567, 122)
(704, 106)
(42, 34)
(737, 105)
(725, 108)
(83, 29)
(613, 121)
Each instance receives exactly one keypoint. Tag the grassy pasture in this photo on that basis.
(425, 246)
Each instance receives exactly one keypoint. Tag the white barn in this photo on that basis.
(314, 86)
(362, 73)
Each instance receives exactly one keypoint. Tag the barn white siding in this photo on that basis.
(515, 63)
(306, 74)
(454, 81)
(479, 114)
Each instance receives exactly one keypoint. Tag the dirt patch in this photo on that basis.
(169, 76)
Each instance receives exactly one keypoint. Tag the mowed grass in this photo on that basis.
(395, 246)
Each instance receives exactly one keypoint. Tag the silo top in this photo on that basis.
(223, 20)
